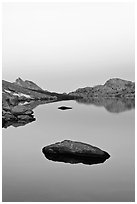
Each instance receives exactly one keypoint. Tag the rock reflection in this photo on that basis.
(64, 108)
(73, 159)
(16, 123)
(113, 105)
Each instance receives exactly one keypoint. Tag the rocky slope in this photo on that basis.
(20, 97)
(112, 88)
(27, 84)
(116, 95)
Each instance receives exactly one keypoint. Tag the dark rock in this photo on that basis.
(75, 152)
(64, 108)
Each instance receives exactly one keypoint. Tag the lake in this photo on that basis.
(29, 177)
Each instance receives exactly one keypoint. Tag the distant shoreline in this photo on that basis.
(21, 97)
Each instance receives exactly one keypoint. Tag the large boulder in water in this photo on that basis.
(75, 152)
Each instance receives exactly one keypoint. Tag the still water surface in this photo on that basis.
(29, 176)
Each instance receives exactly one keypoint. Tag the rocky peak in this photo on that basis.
(118, 83)
(27, 84)
(19, 81)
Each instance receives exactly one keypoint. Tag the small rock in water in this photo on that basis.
(64, 108)
(75, 152)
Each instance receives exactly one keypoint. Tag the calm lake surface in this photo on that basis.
(29, 176)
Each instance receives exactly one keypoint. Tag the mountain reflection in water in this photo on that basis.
(113, 105)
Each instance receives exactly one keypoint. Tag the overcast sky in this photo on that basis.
(63, 46)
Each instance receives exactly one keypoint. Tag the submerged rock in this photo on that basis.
(64, 108)
(75, 152)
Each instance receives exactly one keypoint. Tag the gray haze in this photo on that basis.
(63, 46)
